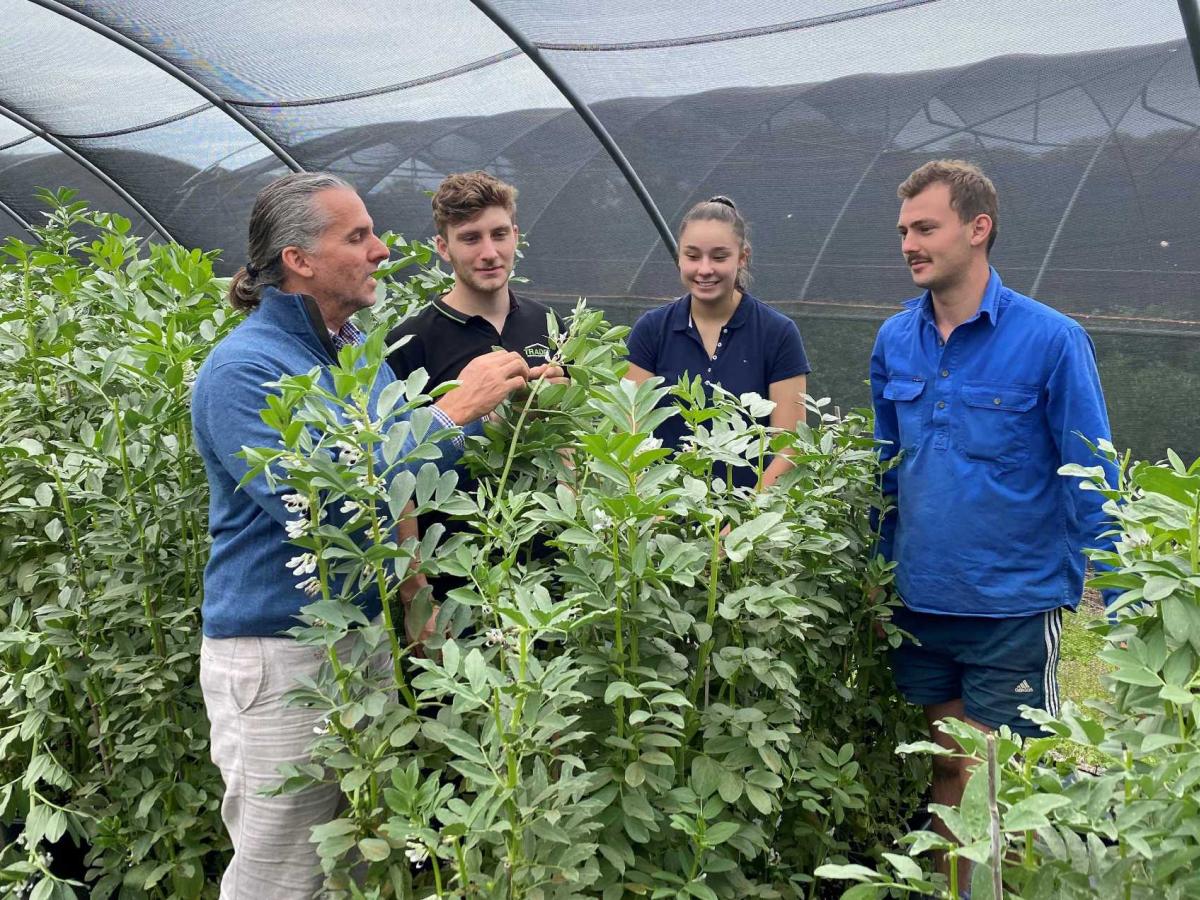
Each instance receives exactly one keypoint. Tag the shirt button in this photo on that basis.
(945, 373)
(996, 400)
(718, 343)
(941, 404)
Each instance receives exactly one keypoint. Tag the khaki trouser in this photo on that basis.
(244, 681)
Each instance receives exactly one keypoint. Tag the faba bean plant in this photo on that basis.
(1041, 829)
(652, 684)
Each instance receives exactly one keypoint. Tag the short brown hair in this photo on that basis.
(971, 192)
(464, 195)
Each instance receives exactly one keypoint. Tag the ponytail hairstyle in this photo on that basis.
(285, 214)
(721, 209)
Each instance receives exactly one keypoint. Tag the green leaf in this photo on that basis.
(374, 849)
(450, 657)
(475, 668)
(717, 834)
(730, 787)
(759, 799)
(1159, 586)
(1030, 814)
(1173, 693)
(850, 872)
(1139, 676)
(706, 776)
(621, 689)
(905, 866)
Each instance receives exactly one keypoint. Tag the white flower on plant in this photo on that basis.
(603, 520)
(296, 528)
(311, 586)
(189, 373)
(351, 508)
(650, 443)
(416, 852)
(295, 503)
(773, 857)
(486, 609)
(495, 637)
(348, 454)
(304, 564)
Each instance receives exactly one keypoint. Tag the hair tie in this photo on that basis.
(723, 200)
(252, 270)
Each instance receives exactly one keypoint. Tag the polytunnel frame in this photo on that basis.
(175, 72)
(533, 51)
(69, 151)
(17, 217)
(1189, 12)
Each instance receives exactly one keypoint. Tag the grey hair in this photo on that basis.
(285, 215)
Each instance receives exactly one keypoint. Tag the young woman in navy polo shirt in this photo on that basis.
(719, 331)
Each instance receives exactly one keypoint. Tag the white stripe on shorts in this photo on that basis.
(1052, 627)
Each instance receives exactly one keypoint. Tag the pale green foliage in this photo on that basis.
(1133, 830)
(102, 546)
(680, 696)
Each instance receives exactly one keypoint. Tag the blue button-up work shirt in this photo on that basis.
(983, 523)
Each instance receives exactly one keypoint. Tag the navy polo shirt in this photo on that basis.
(758, 346)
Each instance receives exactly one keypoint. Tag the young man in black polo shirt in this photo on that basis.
(475, 216)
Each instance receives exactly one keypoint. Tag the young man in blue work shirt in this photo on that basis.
(985, 393)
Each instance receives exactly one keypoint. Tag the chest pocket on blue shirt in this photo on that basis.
(997, 421)
(905, 391)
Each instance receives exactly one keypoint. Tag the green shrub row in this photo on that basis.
(636, 711)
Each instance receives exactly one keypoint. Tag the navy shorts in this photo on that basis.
(995, 666)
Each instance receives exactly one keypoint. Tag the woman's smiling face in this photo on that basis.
(710, 255)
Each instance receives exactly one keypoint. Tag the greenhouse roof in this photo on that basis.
(807, 113)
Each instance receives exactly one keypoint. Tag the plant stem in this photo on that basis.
(512, 444)
(148, 603)
(385, 598)
(32, 339)
(714, 578)
(619, 630)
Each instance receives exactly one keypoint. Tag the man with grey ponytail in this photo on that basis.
(313, 254)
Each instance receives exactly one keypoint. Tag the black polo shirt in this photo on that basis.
(445, 340)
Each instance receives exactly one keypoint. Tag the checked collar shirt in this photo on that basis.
(983, 524)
